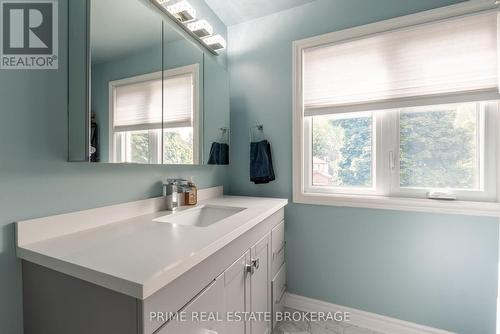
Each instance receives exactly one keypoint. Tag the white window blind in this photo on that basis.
(178, 100)
(452, 60)
(138, 105)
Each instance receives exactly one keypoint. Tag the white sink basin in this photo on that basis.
(200, 216)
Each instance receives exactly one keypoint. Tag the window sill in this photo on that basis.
(489, 209)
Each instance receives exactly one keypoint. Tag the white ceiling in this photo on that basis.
(232, 12)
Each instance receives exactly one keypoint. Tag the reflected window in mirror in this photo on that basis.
(181, 115)
(143, 120)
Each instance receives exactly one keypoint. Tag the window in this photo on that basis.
(342, 151)
(151, 127)
(398, 109)
(439, 147)
(431, 147)
(178, 146)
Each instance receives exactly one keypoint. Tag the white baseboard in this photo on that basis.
(371, 321)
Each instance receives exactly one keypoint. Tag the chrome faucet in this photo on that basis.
(171, 190)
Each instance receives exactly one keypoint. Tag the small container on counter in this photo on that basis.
(191, 195)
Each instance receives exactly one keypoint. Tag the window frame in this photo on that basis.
(117, 139)
(388, 196)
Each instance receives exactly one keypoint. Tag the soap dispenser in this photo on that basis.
(191, 195)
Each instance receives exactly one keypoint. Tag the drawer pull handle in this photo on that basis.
(256, 263)
(279, 250)
(249, 268)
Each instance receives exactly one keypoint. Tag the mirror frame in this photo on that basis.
(78, 54)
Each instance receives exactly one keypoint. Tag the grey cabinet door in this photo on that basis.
(243, 289)
(201, 314)
(236, 296)
(278, 286)
(278, 248)
(260, 286)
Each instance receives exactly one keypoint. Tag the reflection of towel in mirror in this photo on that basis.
(261, 162)
(219, 154)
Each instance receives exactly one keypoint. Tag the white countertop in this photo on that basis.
(139, 256)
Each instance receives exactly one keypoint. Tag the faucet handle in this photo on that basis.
(176, 181)
(184, 188)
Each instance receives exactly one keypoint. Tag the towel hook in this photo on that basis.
(260, 128)
(224, 135)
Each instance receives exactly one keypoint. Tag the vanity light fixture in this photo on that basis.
(201, 28)
(216, 42)
(182, 11)
(184, 16)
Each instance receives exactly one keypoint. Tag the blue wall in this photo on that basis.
(36, 180)
(436, 270)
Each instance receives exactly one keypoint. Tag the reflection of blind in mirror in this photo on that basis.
(178, 100)
(139, 104)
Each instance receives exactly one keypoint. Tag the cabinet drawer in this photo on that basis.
(278, 248)
(278, 291)
(207, 301)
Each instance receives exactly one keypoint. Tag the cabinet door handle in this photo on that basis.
(256, 263)
(249, 268)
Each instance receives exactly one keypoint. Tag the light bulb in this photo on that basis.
(216, 42)
(182, 11)
(201, 28)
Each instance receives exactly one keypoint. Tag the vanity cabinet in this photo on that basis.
(209, 300)
(278, 248)
(278, 269)
(278, 292)
(260, 285)
(236, 292)
(244, 276)
(243, 288)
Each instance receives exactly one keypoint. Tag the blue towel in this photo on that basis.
(219, 154)
(261, 162)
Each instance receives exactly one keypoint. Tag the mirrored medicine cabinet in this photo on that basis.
(143, 88)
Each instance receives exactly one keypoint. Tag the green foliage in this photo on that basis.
(438, 149)
(176, 149)
(345, 144)
(327, 141)
(355, 165)
(140, 147)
